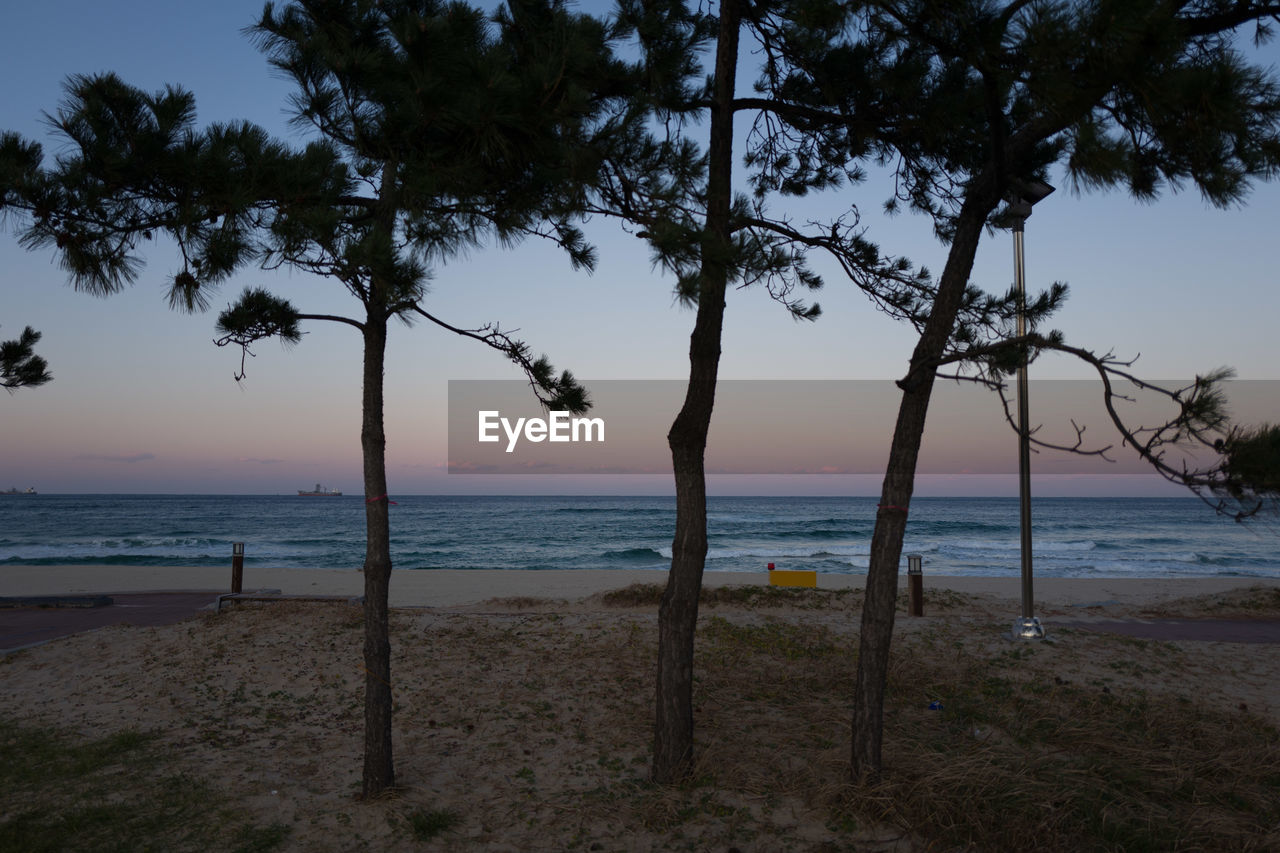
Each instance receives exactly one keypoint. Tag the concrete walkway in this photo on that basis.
(25, 626)
(31, 624)
(1200, 630)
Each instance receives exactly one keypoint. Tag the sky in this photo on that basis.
(143, 402)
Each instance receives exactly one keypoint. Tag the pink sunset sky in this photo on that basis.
(142, 402)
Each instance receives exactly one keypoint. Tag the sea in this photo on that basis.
(1073, 537)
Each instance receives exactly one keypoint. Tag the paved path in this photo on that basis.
(28, 626)
(1204, 630)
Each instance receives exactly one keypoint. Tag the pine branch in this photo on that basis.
(558, 393)
(258, 315)
(1244, 475)
(20, 367)
(1225, 19)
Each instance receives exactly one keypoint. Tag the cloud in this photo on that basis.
(631, 469)
(102, 457)
(260, 461)
(465, 467)
(780, 471)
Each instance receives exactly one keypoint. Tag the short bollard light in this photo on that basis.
(237, 566)
(915, 584)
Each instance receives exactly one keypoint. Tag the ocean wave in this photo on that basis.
(812, 533)
(806, 523)
(117, 547)
(1183, 557)
(938, 525)
(119, 560)
(788, 534)
(779, 553)
(127, 542)
(714, 519)
(613, 510)
(910, 547)
(158, 551)
(1091, 538)
(1002, 545)
(637, 554)
(1128, 568)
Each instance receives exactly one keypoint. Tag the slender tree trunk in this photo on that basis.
(678, 612)
(379, 767)
(895, 496)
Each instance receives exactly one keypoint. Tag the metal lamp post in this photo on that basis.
(1020, 203)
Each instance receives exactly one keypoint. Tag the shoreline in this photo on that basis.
(458, 587)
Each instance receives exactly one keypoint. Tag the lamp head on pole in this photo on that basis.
(1024, 196)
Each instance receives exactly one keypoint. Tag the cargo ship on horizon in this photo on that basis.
(319, 492)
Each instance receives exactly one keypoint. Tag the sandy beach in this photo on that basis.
(451, 588)
(524, 711)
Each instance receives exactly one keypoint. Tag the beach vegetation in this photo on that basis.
(427, 824)
(1255, 601)
(750, 596)
(113, 793)
(1060, 747)
(522, 602)
(765, 597)
(793, 642)
(634, 595)
(433, 127)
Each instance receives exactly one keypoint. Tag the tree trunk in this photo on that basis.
(379, 768)
(895, 495)
(678, 612)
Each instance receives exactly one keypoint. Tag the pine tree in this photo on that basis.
(974, 102)
(434, 128)
(681, 196)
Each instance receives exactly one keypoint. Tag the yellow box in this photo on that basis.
(779, 577)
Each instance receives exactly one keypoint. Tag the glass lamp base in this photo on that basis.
(1028, 628)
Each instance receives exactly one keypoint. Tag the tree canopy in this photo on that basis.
(434, 128)
(972, 104)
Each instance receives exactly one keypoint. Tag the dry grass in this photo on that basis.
(1253, 602)
(529, 729)
(648, 595)
(1105, 746)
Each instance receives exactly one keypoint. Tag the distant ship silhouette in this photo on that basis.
(319, 492)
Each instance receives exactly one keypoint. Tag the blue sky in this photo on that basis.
(143, 402)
